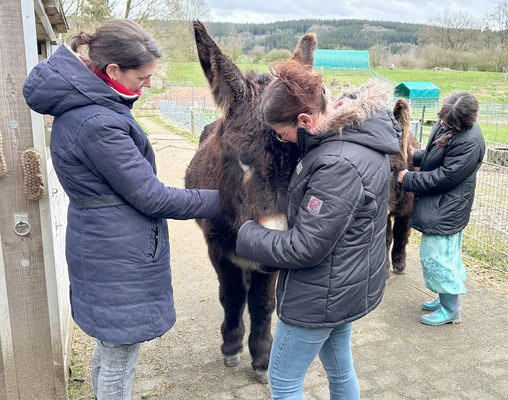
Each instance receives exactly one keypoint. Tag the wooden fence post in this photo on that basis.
(33, 331)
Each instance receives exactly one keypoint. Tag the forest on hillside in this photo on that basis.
(450, 40)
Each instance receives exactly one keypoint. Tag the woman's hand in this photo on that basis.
(401, 175)
(411, 151)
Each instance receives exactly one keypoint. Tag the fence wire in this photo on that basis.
(192, 120)
(486, 236)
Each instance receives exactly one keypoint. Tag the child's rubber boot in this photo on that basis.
(448, 312)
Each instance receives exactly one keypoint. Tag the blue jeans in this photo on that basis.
(293, 350)
(112, 369)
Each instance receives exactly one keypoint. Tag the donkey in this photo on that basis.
(239, 155)
(400, 203)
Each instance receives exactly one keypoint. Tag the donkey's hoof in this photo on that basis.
(399, 271)
(232, 361)
(261, 376)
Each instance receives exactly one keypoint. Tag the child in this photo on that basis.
(444, 192)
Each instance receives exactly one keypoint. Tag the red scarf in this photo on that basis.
(114, 84)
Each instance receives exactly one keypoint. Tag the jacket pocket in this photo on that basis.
(153, 241)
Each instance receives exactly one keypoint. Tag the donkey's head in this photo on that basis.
(254, 168)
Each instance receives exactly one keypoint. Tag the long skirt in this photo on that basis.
(442, 266)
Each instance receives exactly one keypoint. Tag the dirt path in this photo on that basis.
(396, 357)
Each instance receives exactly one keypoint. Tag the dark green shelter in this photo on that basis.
(417, 90)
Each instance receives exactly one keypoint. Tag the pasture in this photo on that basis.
(491, 87)
(486, 86)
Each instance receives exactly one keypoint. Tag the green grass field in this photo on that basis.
(486, 86)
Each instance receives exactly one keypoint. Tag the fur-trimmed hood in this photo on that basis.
(363, 118)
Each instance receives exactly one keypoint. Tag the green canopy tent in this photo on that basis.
(417, 90)
(344, 59)
(419, 94)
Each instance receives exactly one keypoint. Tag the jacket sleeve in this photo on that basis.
(417, 157)
(460, 162)
(107, 147)
(337, 185)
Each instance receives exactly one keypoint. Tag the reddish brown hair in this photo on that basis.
(296, 90)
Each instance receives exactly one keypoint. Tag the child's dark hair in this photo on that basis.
(119, 41)
(459, 112)
(296, 90)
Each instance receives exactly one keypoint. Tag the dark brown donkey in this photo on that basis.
(240, 156)
(400, 204)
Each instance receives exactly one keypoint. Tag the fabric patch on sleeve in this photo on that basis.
(315, 205)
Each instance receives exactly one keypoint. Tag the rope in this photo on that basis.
(32, 177)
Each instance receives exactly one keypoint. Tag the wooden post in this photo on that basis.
(32, 361)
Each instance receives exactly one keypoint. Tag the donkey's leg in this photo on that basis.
(389, 239)
(401, 233)
(233, 296)
(261, 301)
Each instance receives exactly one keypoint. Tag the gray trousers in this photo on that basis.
(112, 369)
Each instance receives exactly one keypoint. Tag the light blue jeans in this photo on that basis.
(112, 369)
(293, 350)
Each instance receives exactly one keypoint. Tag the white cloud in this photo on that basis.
(420, 11)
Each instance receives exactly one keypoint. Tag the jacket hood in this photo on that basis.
(64, 82)
(365, 119)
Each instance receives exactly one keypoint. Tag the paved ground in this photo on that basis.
(395, 356)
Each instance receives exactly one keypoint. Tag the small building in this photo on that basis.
(342, 59)
(419, 94)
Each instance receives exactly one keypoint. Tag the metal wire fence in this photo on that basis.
(486, 236)
(192, 120)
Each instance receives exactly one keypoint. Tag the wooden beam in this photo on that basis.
(46, 23)
(35, 373)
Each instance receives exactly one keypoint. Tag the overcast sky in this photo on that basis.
(419, 11)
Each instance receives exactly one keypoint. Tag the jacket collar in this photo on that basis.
(74, 70)
(307, 140)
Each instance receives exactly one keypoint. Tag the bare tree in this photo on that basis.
(144, 10)
(87, 13)
(452, 30)
(499, 21)
(188, 10)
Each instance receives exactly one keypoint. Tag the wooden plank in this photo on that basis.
(25, 285)
(8, 386)
(3, 388)
(43, 17)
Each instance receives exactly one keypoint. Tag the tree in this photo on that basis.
(87, 13)
(256, 54)
(499, 20)
(452, 30)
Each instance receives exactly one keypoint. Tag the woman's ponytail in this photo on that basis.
(80, 39)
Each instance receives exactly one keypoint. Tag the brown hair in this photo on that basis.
(119, 41)
(296, 90)
(459, 112)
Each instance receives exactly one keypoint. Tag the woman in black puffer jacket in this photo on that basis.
(332, 257)
(444, 192)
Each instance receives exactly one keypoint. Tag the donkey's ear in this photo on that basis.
(304, 50)
(226, 81)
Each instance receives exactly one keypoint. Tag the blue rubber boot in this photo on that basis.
(431, 305)
(448, 312)
(434, 305)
